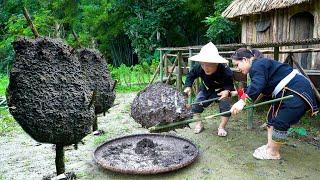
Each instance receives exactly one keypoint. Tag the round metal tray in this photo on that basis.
(179, 152)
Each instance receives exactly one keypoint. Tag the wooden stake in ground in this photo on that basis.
(60, 167)
(33, 28)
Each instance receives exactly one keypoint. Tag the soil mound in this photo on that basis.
(48, 93)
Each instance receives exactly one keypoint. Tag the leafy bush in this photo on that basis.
(221, 30)
(133, 78)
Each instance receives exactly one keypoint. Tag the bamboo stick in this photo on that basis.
(33, 28)
(157, 128)
(171, 72)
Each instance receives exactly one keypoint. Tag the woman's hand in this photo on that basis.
(224, 94)
(237, 107)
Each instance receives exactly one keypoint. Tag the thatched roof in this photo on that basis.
(247, 7)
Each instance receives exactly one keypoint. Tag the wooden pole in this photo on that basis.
(95, 123)
(33, 28)
(166, 65)
(250, 111)
(157, 128)
(76, 38)
(60, 167)
(161, 65)
(276, 53)
(173, 67)
(190, 68)
(179, 77)
(154, 75)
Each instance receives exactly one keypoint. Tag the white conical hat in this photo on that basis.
(209, 53)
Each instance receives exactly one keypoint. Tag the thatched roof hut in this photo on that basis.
(248, 7)
(279, 20)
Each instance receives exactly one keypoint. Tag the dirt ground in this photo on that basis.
(220, 158)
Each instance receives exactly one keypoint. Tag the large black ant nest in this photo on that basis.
(99, 78)
(48, 93)
(159, 103)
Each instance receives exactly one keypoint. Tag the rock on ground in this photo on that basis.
(159, 103)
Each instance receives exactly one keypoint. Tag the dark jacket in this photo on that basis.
(221, 79)
(265, 75)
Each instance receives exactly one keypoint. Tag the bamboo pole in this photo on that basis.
(166, 65)
(179, 76)
(173, 67)
(250, 111)
(276, 53)
(33, 28)
(95, 123)
(154, 75)
(157, 128)
(76, 38)
(190, 68)
(161, 66)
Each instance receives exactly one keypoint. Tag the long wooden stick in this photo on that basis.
(157, 128)
(154, 75)
(173, 67)
(33, 28)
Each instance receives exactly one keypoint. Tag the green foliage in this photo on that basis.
(7, 122)
(221, 30)
(125, 31)
(133, 78)
(4, 82)
(297, 132)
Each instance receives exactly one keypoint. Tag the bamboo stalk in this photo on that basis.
(157, 128)
(33, 28)
(205, 101)
(173, 67)
(154, 75)
(76, 38)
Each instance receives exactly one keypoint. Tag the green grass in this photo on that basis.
(4, 81)
(100, 139)
(7, 122)
(128, 89)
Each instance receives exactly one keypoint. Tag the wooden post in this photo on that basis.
(250, 111)
(190, 67)
(276, 53)
(179, 71)
(166, 65)
(154, 75)
(161, 66)
(33, 28)
(95, 123)
(76, 38)
(172, 70)
(60, 167)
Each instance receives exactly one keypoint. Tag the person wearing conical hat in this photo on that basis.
(217, 80)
